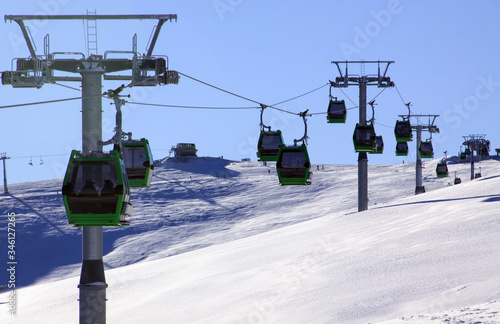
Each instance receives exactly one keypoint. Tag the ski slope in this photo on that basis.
(218, 241)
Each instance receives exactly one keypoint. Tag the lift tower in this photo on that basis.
(419, 127)
(343, 81)
(4, 157)
(36, 70)
(478, 143)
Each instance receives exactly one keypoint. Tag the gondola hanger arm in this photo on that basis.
(261, 119)
(408, 104)
(115, 95)
(304, 138)
(372, 104)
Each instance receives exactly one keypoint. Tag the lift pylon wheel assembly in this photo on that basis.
(139, 162)
(364, 138)
(293, 165)
(96, 191)
(36, 70)
(269, 145)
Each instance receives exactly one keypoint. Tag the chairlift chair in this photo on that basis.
(403, 131)
(139, 162)
(364, 138)
(337, 111)
(293, 165)
(426, 150)
(269, 145)
(96, 191)
(402, 149)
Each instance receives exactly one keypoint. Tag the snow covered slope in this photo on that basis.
(215, 241)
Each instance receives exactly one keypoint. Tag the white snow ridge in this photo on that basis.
(240, 248)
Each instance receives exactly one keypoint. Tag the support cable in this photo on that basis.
(239, 96)
(63, 85)
(30, 156)
(383, 125)
(373, 99)
(220, 89)
(405, 103)
(281, 102)
(348, 98)
(189, 107)
(400, 96)
(45, 102)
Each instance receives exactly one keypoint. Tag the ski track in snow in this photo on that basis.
(221, 242)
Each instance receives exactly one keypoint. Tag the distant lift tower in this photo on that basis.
(478, 143)
(343, 81)
(4, 157)
(36, 70)
(419, 127)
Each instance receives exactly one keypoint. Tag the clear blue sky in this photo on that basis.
(445, 53)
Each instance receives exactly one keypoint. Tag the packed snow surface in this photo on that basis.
(218, 241)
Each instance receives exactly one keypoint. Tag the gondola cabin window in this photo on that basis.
(93, 188)
(294, 164)
(136, 162)
(271, 142)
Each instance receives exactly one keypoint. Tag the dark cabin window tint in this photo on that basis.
(271, 142)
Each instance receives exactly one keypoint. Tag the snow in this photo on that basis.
(240, 248)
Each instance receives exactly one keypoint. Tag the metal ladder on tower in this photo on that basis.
(91, 33)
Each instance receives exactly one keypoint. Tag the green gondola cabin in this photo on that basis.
(293, 165)
(96, 191)
(379, 145)
(402, 149)
(426, 150)
(364, 138)
(442, 169)
(269, 145)
(403, 131)
(337, 111)
(139, 162)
